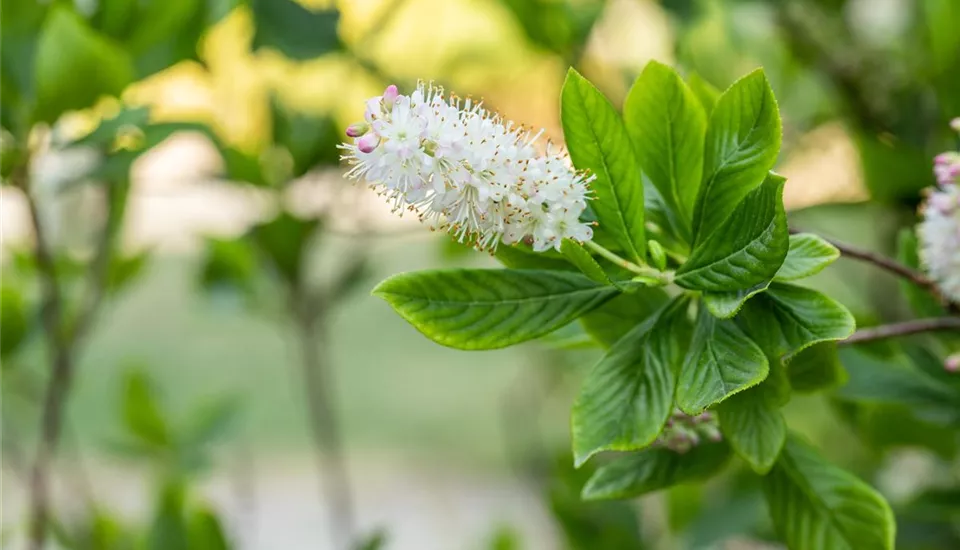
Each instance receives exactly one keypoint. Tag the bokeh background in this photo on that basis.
(192, 384)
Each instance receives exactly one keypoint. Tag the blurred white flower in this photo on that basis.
(465, 170)
(939, 236)
(54, 169)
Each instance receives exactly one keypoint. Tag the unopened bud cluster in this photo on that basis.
(683, 432)
(465, 170)
(939, 231)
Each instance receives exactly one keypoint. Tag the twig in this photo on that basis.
(59, 382)
(331, 464)
(62, 345)
(904, 328)
(891, 266)
(99, 269)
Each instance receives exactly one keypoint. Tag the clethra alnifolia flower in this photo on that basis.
(465, 170)
(939, 231)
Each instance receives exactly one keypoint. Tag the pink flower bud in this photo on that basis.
(952, 364)
(357, 129)
(368, 143)
(943, 159)
(946, 174)
(390, 96)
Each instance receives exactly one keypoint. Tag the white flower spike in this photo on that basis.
(939, 235)
(465, 170)
(939, 231)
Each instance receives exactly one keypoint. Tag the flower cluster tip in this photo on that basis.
(467, 171)
(939, 230)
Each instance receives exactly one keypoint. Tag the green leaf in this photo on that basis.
(816, 505)
(141, 412)
(753, 425)
(505, 538)
(13, 320)
(598, 142)
(705, 92)
(742, 144)
(808, 255)
(609, 322)
(283, 242)
(875, 380)
(169, 529)
(588, 525)
(243, 167)
(311, 141)
(816, 368)
(162, 33)
(228, 264)
(885, 427)
(667, 126)
(747, 249)
(75, 66)
(569, 337)
(725, 305)
(558, 27)
(206, 532)
(297, 32)
(653, 469)
(786, 319)
(19, 30)
(926, 361)
(721, 361)
(521, 256)
(490, 308)
(210, 421)
(125, 269)
(579, 257)
(628, 396)
(377, 540)
(114, 18)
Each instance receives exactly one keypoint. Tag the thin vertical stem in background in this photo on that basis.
(62, 343)
(61, 367)
(331, 463)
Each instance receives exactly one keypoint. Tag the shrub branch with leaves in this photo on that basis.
(690, 278)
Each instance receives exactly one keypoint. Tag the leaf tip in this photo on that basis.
(590, 491)
(581, 456)
(572, 73)
(382, 290)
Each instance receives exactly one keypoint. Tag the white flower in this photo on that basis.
(465, 170)
(939, 236)
(54, 169)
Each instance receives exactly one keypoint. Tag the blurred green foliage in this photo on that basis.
(893, 95)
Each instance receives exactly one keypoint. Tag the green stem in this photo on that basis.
(642, 270)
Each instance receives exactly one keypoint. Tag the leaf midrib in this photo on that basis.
(766, 230)
(820, 505)
(606, 171)
(506, 301)
(708, 185)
